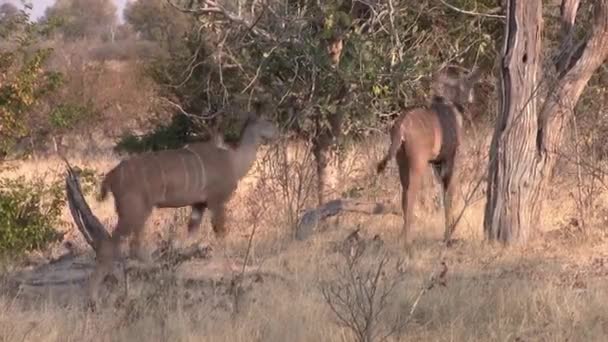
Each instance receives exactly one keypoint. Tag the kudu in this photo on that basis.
(200, 175)
(431, 134)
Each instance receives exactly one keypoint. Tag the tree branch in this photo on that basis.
(489, 14)
(560, 104)
(568, 49)
(213, 7)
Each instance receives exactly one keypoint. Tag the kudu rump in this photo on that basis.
(201, 175)
(423, 135)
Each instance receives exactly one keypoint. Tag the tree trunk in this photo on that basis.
(512, 209)
(320, 149)
(575, 73)
(323, 140)
(525, 146)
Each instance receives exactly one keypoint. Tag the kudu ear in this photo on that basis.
(446, 77)
(258, 108)
(474, 75)
(444, 82)
(250, 117)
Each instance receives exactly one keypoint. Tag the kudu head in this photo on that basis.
(455, 85)
(263, 128)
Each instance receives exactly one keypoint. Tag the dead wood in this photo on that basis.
(88, 224)
(312, 217)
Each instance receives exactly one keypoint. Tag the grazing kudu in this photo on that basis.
(200, 175)
(432, 134)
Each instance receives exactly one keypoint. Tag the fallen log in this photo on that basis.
(88, 224)
(312, 217)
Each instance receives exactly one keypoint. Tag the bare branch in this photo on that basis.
(489, 14)
(190, 115)
(213, 7)
(568, 49)
(259, 69)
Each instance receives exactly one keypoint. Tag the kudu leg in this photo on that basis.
(445, 172)
(218, 222)
(109, 249)
(196, 217)
(410, 174)
(103, 267)
(136, 250)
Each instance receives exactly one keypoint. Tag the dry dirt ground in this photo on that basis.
(551, 290)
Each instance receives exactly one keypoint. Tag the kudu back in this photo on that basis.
(431, 134)
(200, 175)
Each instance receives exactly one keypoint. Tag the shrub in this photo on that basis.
(67, 115)
(29, 211)
(178, 132)
(172, 135)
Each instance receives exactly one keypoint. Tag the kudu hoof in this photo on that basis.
(91, 305)
(141, 257)
(449, 242)
(408, 247)
(381, 166)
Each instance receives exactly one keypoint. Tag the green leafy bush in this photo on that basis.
(172, 135)
(29, 211)
(67, 115)
(180, 131)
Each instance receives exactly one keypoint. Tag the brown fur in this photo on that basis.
(423, 135)
(201, 175)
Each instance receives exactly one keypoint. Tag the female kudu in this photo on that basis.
(431, 134)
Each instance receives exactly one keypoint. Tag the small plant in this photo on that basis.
(29, 211)
(289, 179)
(67, 115)
(360, 295)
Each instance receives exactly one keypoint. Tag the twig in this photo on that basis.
(259, 69)
(248, 253)
(190, 115)
(190, 73)
(436, 277)
(397, 45)
(488, 14)
(212, 7)
(581, 205)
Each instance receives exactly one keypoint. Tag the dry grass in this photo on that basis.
(552, 290)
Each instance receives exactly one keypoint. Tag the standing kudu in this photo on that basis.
(423, 135)
(200, 175)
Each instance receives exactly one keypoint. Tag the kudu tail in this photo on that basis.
(104, 188)
(392, 150)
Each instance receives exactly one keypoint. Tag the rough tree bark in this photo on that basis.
(326, 136)
(525, 143)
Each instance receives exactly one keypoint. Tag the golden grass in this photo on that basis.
(552, 290)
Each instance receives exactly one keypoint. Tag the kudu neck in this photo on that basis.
(442, 100)
(245, 153)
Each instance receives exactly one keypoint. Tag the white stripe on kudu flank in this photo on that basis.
(145, 179)
(163, 177)
(122, 175)
(186, 176)
(200, 161)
